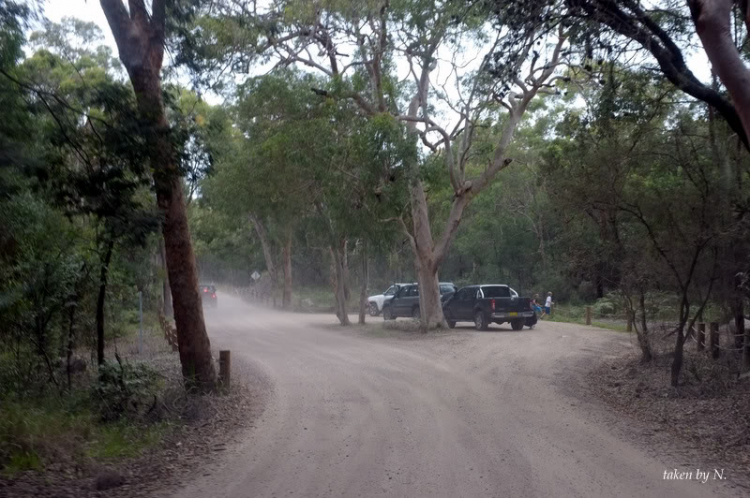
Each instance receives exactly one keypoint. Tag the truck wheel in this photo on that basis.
(451, 324)
(416, 314)
(374, 309)
(480, 322)
(517, 324)
(387, 313)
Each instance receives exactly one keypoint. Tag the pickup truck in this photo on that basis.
(406, 301)
(485, 304)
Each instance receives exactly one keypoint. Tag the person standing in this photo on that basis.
(548, 305)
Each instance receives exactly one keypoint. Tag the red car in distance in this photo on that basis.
(208, 295)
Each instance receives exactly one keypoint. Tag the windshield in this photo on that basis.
(391, 290)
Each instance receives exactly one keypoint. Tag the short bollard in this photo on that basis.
(225, 370)
(588, 315)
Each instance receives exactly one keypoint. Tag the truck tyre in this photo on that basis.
(416, 313)
(388, 313)
(373, 308)
(480, 322)
(517, 324)
(451, 324)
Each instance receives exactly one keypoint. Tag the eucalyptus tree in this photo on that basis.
(299, 157)
(440, 69)
(141, 35)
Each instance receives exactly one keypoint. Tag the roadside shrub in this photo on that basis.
(125, 390)
(608, 306)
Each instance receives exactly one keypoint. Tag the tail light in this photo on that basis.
(213, 296)
(205, 291)
(492, 303)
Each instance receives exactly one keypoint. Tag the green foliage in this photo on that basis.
(36, 433)
(124, 390)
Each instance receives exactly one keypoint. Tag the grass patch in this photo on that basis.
(33, 435)
(32, 432)
(577, 315)
(36, 433)
(121, 440)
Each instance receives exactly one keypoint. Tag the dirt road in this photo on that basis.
(460, 414)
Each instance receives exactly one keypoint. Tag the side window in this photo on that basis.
(468, 295)
(414, 291)
(479, 294)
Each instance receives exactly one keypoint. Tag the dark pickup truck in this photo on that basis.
(485, 304)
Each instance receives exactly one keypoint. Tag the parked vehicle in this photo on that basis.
(375, 303)
(485, 304)
(208, 295)
(406, 301)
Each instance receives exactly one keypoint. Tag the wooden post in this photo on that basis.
(701, 336)
(225, 370)
(714, 339)
(588, 315)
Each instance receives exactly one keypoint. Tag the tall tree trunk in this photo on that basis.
(340, 286)
(101, 299)
(677, 360)
(643, 339)
(72, 309)
(166, 292)
(365, 282)
(345, 265)
(265, 244)
(140, 38)
(287, 255)
(431, 310)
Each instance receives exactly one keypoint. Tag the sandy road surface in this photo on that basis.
(463, 414)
